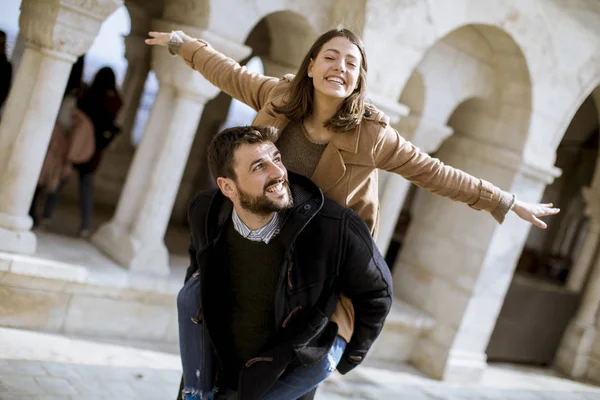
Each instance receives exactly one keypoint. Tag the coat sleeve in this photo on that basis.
(395, 154)
(366, 279)
(248, 87)
(195, 220)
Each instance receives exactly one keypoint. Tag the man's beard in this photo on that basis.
(263, 205)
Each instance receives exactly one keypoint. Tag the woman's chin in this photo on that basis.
(333, 95)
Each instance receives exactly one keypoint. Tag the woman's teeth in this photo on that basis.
(335, 80)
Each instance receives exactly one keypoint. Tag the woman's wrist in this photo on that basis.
(513, 203)
(176, 39)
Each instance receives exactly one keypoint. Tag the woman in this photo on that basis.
(101, 103)
(329, 133)
(90, 129)
(322, 111)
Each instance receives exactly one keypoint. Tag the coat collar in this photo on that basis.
(308, 200)
(331, 167)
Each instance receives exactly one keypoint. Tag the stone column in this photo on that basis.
(581, 267)
(134, 236)
(117, 157)
(393, 193)
(425, 135)
(457, 264)
(55, 32)
(137, 54)
(574, 353)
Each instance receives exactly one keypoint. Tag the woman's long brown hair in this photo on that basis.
(299, 103)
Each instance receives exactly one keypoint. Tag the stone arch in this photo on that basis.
(545, 32)
(238, 26)
(476, 82)
(557, 263)
(481, 69)
(109, 47)
(291, 37)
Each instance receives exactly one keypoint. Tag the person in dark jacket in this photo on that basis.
(269, 256)
(5, 70)
(101, 102)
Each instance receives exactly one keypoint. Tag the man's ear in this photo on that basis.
(227, 187)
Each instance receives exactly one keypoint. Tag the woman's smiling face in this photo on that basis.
(336, 69)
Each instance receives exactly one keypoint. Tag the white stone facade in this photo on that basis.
(490, 87)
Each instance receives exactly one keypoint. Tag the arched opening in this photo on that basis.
(9, 23)
(548, 283)
(108, 48)
(473, 82)
(278, 41)
(471, 96)
(59, 208)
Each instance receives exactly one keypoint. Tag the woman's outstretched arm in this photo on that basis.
(248, 87)
(395, 154)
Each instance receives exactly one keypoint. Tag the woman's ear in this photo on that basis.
(310, 68)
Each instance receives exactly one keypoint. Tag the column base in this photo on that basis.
(465, 367)
(574, 352)
(116, 242)
(451, 366)
(16, 235)
(22, 242)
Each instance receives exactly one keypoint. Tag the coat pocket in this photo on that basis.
(314, 342)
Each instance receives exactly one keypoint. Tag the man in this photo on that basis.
(5, 70)
(269, 258)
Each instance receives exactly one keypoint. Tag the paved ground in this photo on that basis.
(50, 367)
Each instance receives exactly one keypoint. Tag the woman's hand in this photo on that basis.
(532, 212)
(158, 38)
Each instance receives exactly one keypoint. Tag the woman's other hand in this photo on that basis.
(158, 38)
(532, 212)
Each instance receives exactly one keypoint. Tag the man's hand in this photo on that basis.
(532, 212)
(158, 38)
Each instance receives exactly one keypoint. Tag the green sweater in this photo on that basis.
(248, 278)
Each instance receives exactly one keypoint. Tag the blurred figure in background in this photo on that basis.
(101, 103)
(5, 71)
(72, 141)
(85, 127)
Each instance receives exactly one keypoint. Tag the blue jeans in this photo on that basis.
(296, 381)
(86, 196)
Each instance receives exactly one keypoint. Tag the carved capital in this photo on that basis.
(173, 71)
(237, 51)
(64, 26)
(190, 12)
(427, 135)
(390, 107)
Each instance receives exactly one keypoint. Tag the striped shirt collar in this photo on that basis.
(264, 234)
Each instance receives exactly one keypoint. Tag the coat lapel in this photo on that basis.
(331, 167)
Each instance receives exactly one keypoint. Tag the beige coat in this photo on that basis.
(347, 170)
(67, 146)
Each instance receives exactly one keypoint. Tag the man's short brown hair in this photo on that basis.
(224, 144)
